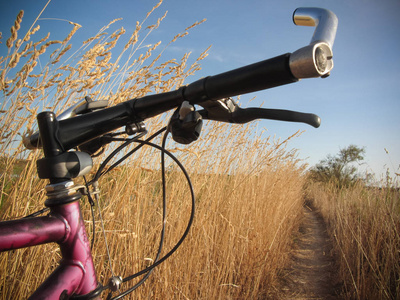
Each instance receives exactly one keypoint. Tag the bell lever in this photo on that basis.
(185, 124)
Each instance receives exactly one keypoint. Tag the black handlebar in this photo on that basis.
(209, 91)
(251, 78)
(75, 131)
(259, 76)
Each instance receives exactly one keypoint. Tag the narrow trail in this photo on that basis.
(312, 272)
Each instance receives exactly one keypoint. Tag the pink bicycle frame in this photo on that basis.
(64, 225)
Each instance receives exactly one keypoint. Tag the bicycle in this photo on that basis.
(70, 140)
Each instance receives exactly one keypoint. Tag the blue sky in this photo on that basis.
(358, 104)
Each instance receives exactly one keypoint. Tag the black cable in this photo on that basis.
(94, 228)
(184, 235)
(134, 150)
(115, 152)
(92, 204)
(109, 157)
(162, 237)
(39, 212)
(100, 172)
(104, 163)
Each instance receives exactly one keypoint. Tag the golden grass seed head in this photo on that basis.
(14, 29)
(134, 37)
(32, 32)
(14, 60)
(154, 8)
(18, 21)
(18, 43)
(159, 20)
(13, 37)
(65, 50)
(72, 32)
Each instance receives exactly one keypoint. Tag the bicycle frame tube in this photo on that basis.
(28, 232)
(64, 225)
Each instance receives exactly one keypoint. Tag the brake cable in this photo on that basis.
(100, 172)
(130, 152)
(186, 232)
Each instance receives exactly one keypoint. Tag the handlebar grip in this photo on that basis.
(251, 78)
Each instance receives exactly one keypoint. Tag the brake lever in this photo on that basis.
(226, 110)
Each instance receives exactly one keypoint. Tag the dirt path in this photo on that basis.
(312, 273)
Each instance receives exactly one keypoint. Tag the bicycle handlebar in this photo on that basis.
(314, 60)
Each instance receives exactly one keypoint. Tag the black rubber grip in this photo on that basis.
(251, 78)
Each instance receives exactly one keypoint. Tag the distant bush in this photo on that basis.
(340, 168)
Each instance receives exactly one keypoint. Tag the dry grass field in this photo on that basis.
(240, 239)
(364, 224)
(248, 189)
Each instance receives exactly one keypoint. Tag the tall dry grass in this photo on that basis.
(240, 239)
(249, 190)
(365, 225)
